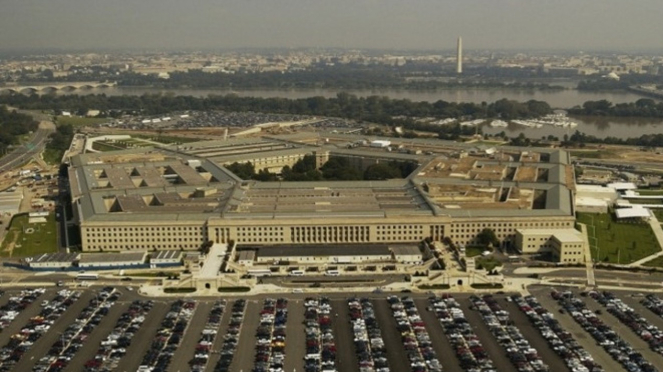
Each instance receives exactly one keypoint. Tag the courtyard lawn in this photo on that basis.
(650, 191)
(29, 240)
(618, 242)
(488, 263)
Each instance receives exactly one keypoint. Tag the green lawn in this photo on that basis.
(474, 251)
(593, 154)
(105, 146)
(658, 213)
(166, 140)
(650, 191)
(76, 121)
(656, 262)
(42, 240)
(645, 201)
(618, 242)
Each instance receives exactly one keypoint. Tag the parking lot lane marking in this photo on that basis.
(186, 350)
(344, 339)
(533, 336)
(443, 349)
(93, 341)
(396, 356)
(494, 350)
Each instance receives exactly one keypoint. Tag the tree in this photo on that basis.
(487, 238)
(381, 171)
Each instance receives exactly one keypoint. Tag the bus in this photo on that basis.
(87, 276)
(259, 272)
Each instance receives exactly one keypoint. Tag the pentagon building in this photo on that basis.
(180, 197)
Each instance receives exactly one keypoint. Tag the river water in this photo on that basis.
(599, 127)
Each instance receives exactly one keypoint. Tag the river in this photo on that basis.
(599, 127)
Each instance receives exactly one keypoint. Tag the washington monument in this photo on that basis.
(459, 56)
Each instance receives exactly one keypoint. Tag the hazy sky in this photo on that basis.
(411, 24)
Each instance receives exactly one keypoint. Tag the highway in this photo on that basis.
(23, 153)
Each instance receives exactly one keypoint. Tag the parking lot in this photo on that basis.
(405, 332)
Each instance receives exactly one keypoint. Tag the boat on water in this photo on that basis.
(527, 123)
(499, 124)
(472, 123)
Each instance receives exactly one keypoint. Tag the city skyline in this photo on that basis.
(367, 24)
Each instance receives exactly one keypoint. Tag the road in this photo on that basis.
(34, 146)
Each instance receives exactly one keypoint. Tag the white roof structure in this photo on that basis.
(635, 212)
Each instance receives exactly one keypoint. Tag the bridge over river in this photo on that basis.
(66, 86)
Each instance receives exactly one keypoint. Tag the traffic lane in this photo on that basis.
(396, 356)
(580, 335)
(295, 337)
(494, 350)
(533, 336)
(443, 349)
(245, 356)
(218, 341)
(100, 332)
(142, 340)
(186, 350)
(43, 345)
(346, 354)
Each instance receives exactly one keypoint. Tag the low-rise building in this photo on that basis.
(112, 260)
(333, 254)
(565, 245)
(246, 258)
(167, 258)
(407, 254)
(52, 261)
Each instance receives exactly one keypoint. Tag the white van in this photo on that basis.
(297, 273)
(332, 273)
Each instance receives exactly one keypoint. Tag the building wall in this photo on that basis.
(528, 242)
(190, 235)
(568, 252)
(142, 236)
(326, 259)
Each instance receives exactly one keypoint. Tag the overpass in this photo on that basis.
(67, 86)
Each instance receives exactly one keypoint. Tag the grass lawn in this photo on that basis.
(474, 251)
(618, 242)
(76, 121)
(42, 240)
(52, 156)
(658, 213)
(656, 262)
(645, 201)
(650, 191)
(593, 154)
(104, 146)
(166, 140)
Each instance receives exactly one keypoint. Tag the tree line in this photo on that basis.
(12, 126)
(644, 107)
(377, 109)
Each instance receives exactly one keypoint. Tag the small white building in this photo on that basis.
(246, 258)
(94, 260)
(407, 254)
(52, 260)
